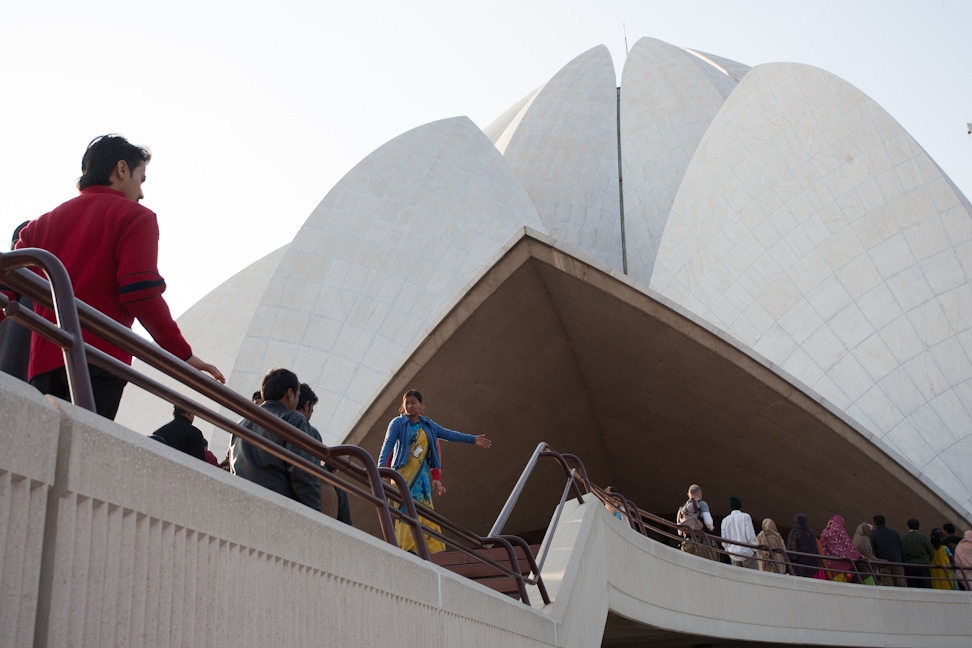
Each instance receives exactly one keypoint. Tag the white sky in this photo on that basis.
(253, 113)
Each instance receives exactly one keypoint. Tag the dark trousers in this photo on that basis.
(107, 388)
(918, 575)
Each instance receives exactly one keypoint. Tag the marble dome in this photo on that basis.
(776, 206)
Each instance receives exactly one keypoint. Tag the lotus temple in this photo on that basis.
(750, 278)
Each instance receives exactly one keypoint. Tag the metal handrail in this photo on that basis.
(71, 343)
(542, 450)
(385, 486)
(703, 540)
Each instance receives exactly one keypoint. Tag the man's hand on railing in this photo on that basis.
(201, 365)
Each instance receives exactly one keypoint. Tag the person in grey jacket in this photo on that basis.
(280, 389)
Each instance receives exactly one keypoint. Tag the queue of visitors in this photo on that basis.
(868, 557)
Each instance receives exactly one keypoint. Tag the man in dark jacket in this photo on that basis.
(182, 435)
(281, 391)
(918, 553)
(887, 546)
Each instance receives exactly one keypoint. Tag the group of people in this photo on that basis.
(411, 447)
(874, 555)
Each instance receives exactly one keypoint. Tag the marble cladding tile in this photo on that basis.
(953, 415)
(902, 339)
(926, 376)
(892, 256)
(880, 408)
(827, 347)
(910, 288)
(911, 444)
(945, 472)
(850, 377)
(901, 388)
(801, 321)
(943, 272)
(952, 360)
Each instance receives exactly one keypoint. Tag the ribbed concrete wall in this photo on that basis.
(28, 453)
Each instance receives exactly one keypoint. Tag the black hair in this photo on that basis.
(936, 536)
(178, 411)
(277, 383)
(256, 395)
(411, 392)
(16, 234)
(949, 528)
(306, 395)
(103, 154)
(878, 520)
(913, 524)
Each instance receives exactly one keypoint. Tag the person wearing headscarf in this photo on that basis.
(772, 559)
(963, 561)
(841, 551)
(802, 541)
(862, 540)
(942, 577)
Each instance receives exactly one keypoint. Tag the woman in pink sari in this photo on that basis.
(963, 561)
(841, 551)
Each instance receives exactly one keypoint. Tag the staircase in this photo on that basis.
(464, 565)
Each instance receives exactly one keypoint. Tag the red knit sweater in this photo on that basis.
(110, 247)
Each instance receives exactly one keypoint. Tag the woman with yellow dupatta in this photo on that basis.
(412, 448)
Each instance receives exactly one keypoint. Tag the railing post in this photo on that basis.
(65, 312)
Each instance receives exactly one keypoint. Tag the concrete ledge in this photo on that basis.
(613, 568)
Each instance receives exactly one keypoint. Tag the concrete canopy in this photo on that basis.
(546, 347)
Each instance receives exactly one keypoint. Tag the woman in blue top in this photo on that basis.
(412, 448)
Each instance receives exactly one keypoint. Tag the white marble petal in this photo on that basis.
(565, 151)
(874, 289)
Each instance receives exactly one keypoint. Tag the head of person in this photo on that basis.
(800, 521)
(16, 234)
(936, 536)
(306, 401)
(411, 404)
(912, 524)
(949, 528)
(257, 398)
(735, 504)
(112, 161)
(281, 385)
(178, 411)
(695, 492)
(614, 497)
(769, 525)
(878, 520)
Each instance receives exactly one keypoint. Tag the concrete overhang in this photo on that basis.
(548, 347)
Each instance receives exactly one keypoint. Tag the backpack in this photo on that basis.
(689, 515)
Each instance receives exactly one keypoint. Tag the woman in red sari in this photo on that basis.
(842, 553)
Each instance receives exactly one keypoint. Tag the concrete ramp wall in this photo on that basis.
(108, 538)
(598, 565)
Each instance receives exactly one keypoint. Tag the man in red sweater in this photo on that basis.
(109, 244)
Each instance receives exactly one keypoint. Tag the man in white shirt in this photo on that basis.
(738, 526)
